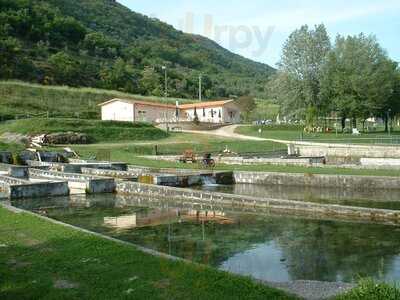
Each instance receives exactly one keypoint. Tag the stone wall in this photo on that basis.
(318, 180)
(15, 171)
(17, 188)
(6, 157)
(353, 150)
(286, 206)
(126, 175)
(237, 160)
(381, 162)
(92, 184)
(75, 167)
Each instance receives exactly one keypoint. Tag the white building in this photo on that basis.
(137, 111)
(225, 111)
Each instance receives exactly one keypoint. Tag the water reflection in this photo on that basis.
(263, 245)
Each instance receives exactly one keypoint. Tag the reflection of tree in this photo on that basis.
(338, 251)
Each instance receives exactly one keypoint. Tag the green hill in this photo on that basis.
(19, 100)
(101, 43)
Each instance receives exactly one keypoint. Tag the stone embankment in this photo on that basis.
(287, 206)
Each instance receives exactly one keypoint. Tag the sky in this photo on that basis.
(257, 29)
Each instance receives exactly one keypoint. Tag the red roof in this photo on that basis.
(183, 106)
(155, 104)
(205, 104)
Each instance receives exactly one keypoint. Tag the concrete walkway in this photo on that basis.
(228, 132)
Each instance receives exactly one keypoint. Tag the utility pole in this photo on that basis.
(166, 81)
(166, 95)
(200, 87)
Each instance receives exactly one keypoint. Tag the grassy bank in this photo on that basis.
(295, 133)
(11, 147)
(22, 99)
(41, 260)
(97, 130)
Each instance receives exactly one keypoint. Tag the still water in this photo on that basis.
(263, 245)
(374, 198)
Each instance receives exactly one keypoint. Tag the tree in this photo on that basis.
(247, 104)
(150, 83)
(297, 84)
(120, 76)
(65, 69)
(359, 78)
(10, 49)
(99, 45)
(65, 31)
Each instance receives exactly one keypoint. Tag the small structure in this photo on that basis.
(217, 112)
(137, 111)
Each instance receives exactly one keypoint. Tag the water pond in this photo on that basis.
(265, 246)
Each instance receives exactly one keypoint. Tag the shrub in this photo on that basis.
(371, 290)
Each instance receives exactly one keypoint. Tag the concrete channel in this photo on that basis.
(14, 171)
(76, 166)
(16, 188)
(91, 184)
(277, 205)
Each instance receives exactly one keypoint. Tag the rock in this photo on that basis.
(6, 157)
(64, 138)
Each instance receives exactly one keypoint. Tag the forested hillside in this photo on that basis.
(100, 43)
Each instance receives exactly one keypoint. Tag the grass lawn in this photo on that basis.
(41, 260)
(97, 130)
(177, 143)
(295, 133)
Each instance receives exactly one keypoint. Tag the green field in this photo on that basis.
(97, 131)
(20, 99)
(296, 133)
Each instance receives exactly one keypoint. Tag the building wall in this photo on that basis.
(220, 114)
(148, 113)
(231, 113)
(135, 112)
(139, 112)
(204, 116)
(117, 111)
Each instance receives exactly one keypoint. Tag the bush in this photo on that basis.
(370, 290)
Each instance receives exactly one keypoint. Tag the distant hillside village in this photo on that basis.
(216, 112)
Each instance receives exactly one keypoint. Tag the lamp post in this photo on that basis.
(388, 120)
(200, 87)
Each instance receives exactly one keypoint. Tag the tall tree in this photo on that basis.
(297, 84)
(247, 104)
(359, 78)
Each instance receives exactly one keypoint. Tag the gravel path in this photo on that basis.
(313, 290)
